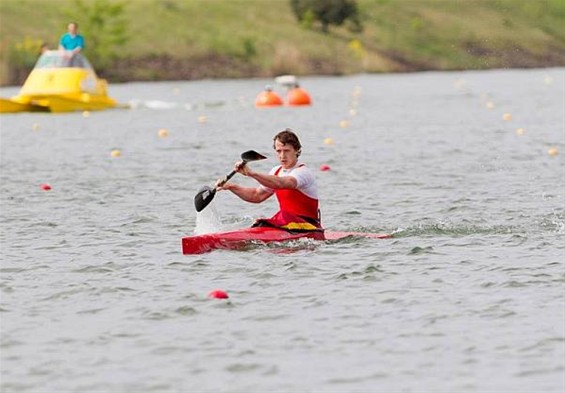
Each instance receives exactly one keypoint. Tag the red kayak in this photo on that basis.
(239, 238)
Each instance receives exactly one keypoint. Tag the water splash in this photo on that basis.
(554, 223)
(208, 221)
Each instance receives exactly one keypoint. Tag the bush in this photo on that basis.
(25, 53)
(327, 12)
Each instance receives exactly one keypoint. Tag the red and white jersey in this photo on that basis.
(304, 178)
(301, 201)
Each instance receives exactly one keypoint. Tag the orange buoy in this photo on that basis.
(297, 96)
(268, 98)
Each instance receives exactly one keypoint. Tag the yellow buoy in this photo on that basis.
(548, 80)
(520, 131)
(553, 151)
(163, 133)
(85, 114)
(344, 124)
(202, 119)
(507, 117)
(116, 153)
(328, 141)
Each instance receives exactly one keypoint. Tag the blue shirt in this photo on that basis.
(69, 42)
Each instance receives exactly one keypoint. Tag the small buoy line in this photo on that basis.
(489, 103)
(345, 122)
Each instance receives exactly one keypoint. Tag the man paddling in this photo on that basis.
(292, 182)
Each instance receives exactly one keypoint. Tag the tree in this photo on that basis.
(327, 12)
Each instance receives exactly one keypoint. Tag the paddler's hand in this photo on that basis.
(241, 167)
(220, 183)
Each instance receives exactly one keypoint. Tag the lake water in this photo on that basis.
(468, 296)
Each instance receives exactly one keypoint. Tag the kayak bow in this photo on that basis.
(239, 238)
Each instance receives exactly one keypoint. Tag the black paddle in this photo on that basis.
(206, 194)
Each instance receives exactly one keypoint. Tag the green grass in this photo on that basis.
(262, 37)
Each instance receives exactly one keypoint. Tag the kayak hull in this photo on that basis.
(232, 240)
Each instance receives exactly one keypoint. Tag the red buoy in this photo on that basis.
(297, 96)
(324, 167)
(268, 98)
(45, 187)
(218, 294)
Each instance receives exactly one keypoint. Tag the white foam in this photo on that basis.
(208, 221)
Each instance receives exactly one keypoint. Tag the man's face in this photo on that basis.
(72, 28)
(286, 154)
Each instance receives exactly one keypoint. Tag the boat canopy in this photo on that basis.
(61, 59)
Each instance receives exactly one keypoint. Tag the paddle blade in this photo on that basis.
(252, 155)
(204, 197)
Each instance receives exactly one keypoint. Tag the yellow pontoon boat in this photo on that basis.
(59, 83)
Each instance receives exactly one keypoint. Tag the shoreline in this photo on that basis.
(174, 70)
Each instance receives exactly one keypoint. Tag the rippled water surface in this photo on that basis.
(468, 296)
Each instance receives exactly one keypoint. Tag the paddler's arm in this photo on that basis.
(259, 194)
(248, 194)
(269, 181)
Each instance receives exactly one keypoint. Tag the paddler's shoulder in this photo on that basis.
(298, 167)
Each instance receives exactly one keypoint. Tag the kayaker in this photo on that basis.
(71, 42)
(292, 182)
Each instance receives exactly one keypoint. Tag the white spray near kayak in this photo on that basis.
(208, 221)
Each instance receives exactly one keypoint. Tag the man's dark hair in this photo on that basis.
(288, 137)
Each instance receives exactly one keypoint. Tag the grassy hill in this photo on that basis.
(194, 39)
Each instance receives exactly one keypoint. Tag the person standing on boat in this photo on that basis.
(292, 182)
(71, 42)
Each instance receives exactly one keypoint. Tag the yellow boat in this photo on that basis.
(59, 83)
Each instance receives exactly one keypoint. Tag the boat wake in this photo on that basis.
(443, 229)
(291, 246)
(548, 225)
(171, 105)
